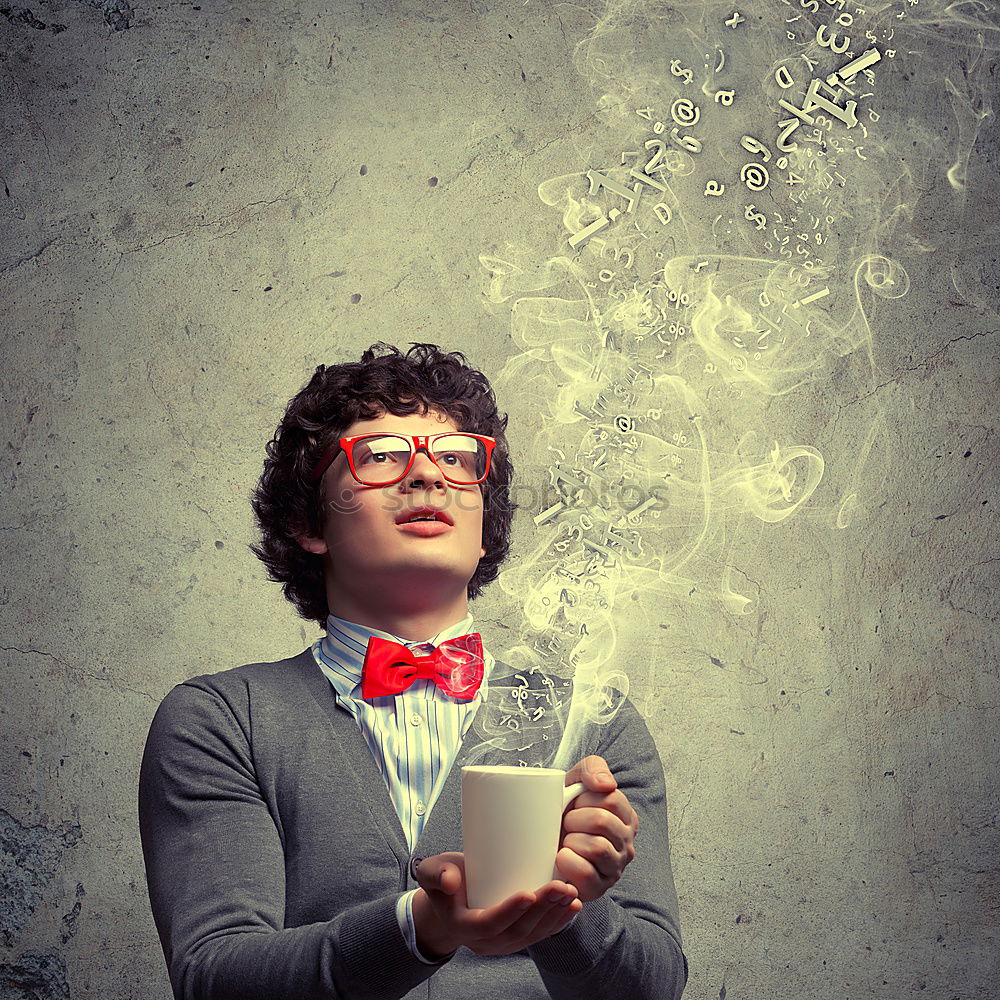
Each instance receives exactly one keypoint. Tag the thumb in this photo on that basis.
(449, 879)
(440, 874)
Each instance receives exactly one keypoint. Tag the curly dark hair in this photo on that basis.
(285, 503)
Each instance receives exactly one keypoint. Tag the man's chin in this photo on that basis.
(419, 571)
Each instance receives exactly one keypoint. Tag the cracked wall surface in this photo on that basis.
(200, 204)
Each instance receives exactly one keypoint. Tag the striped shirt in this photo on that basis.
(413, 736)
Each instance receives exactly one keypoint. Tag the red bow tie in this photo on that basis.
(456, 666)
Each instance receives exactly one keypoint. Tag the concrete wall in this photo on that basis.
(203, 202)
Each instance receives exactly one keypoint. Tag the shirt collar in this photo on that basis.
(341, 651)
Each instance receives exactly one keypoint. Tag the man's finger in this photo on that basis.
(614, 803)
(525, 917)
(439, 874)
(499, 917)
(594, 772)
(598, 823)
(607, 860)
(596, 768)
(450, 880)
(582, 873)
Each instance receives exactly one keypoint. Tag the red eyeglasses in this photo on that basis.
(384, 459)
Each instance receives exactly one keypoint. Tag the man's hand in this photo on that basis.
(598, 831)
(444, 922)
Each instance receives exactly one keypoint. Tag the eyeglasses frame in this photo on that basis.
(420, 442)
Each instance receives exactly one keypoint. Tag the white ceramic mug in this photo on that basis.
(511, 822)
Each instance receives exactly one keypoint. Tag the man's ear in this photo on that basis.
(482, 551)
(310, 544)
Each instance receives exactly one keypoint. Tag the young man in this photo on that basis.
(299, 819)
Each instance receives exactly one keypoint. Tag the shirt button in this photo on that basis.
(415, 719)
(419, 809)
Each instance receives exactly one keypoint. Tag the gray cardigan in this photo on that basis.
(274, 857)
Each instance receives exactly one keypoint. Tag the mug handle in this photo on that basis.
(570, 792)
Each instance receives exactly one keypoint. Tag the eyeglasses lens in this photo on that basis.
(381, 459)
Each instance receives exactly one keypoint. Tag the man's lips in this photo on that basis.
(438, 514)
(426, 528)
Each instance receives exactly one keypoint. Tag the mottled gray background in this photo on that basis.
(202, 203)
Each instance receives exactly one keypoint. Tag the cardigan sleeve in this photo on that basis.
(215, 872)
(627, 943)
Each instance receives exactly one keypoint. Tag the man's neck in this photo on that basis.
(411, 624)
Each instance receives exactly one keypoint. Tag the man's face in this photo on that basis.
(368, 549)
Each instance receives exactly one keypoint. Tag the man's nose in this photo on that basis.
(424, 469)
